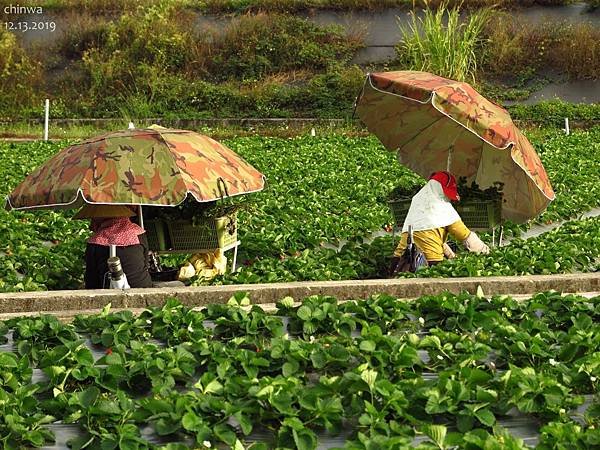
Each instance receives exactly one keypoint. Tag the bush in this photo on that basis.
(254, 46)
(140, 47)
(525, 48)
(83, 32)
(20, 77)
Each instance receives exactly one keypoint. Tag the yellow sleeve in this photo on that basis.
(401, 245)
(459, 231)
(428, 241)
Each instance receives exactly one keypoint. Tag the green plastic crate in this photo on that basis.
(481, 214)
(400, 210)
(182, 235)
(156, 234)
(477, 214)
(210, 234)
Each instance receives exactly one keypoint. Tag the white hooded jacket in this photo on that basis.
(430, 208)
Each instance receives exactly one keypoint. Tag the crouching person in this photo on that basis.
(433, 219)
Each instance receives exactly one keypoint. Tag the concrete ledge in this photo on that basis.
(54, 301)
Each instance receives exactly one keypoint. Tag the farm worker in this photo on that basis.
(111, 225)
(433, 218)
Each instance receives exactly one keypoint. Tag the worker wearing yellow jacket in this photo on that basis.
(433, 218)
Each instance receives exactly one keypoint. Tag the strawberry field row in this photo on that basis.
(241, 378)
(320, 189)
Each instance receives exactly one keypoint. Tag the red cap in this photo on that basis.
(448, 183)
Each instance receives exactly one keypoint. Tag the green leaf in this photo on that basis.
(8, 360)
(289, 368)
(486, 395)
(165, 427)
(245, 422)
(225, 434)
(107, 407)
(36, 437)
(437, 433)
(369, 377)
(479, 293)
(319, 358)
(105, 310)
(304, 439)
(367, 346)
(304, 313)
(214, 387)
(464, 422)
(191, 422)
(89, 396)
(286, 302)
(486, 417)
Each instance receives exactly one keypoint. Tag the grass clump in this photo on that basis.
(20, 76)
(82, 33)
(440, 42)
(525, 48)
(262, 44)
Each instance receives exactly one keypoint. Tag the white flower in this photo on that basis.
(562, 411)
(552, 362)
(207, 444)
(593, 378)
(440, 357)
(504, 309)
(421, 321)
(148, 321)
(312, 339)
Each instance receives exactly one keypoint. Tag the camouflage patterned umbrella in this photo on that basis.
(153, 166)
(439, 124)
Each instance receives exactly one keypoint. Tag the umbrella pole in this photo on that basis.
(449, 160)
(141, 216)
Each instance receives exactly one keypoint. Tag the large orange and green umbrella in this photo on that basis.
(439, 124)
(152, 166)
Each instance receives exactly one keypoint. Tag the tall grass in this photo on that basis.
(440, 42)
(82, 32)
(20, 75)
(257, 45)
(519, 47)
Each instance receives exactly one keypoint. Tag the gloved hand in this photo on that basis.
(448, 253)
(474, 244)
